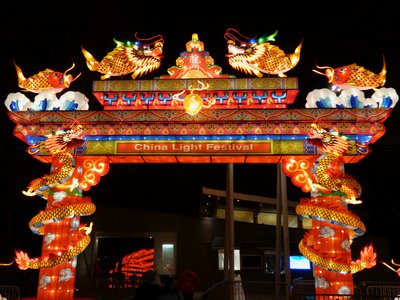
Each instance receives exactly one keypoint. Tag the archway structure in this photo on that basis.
(248, 120)
(241, 120)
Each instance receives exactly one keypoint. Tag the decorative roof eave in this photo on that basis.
(226, 92)
(223, 84)
(335, 115)
(268, 134)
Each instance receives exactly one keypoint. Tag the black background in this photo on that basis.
(47, 35)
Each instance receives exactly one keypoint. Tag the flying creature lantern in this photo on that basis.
(353, 76)
(134, 58)
(45, 81)
(258, 56)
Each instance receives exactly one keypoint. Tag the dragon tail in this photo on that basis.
(91, 62)
(21, 77)
(367, 260)
(382, 74)
(295, 57)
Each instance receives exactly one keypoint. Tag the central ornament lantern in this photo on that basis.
(197, 114)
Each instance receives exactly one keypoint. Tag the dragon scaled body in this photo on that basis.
(24, 262)
(260, 57)
(66, 200)
(354, 76)
(327, 169)
(328, 244)
(45, 81)
(127, 58)
(59, 145)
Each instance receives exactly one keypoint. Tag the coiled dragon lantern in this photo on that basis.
(64, 235)
(64, 195)
(327, 245)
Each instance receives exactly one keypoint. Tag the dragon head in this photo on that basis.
(327, 140)
(65, 140)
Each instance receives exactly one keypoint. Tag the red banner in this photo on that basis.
(194, 147)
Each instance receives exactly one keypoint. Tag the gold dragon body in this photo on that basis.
(327, 168)
(127, 58)
(59, 146)
(259, 57)
(354, 76)
(45, 81)
(333, 190)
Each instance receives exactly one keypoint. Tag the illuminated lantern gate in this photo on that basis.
(237, 120)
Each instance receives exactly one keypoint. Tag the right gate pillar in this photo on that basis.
(328, 244)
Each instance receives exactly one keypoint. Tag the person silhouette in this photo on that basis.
(188, 281)
(170, 290)
(149, 289)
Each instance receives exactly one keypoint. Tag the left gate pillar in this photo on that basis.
(64, 236)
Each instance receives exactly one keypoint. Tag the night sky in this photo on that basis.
(333, 34)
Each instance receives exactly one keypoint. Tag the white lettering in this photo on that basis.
(150, 147)
(187, 147)
(229, 147)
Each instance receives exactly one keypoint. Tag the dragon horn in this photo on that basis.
(267, 38)
(318, 72)
(73, 66)
(69, 76)
(119, 43)
(158, 39)
(398, 265)
(271, 37)
(230, 35)
(323, 67)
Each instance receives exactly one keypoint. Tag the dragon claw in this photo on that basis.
(353, 200)
(29, 193)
